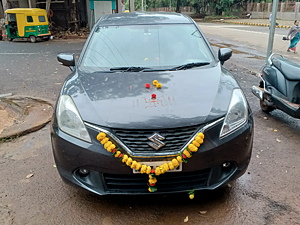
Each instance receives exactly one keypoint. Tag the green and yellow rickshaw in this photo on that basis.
(29, 23)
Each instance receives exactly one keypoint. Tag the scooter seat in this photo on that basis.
(290, 70)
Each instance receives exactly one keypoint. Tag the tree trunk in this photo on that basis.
(178, 6)
(5, 7)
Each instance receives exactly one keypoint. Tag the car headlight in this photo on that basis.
(69, 120)
(237, 113)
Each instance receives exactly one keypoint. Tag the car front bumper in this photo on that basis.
(217, 162)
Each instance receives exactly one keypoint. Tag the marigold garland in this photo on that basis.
(157, 84)
(158, 170)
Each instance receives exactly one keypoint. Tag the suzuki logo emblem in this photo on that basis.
(156, 141)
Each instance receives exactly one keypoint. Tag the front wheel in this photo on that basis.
(32, 39)
(263, 105)
(265, 108)
(9, 39)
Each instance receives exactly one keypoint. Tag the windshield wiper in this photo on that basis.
(129, 69)
(103, 71)
(189, 66)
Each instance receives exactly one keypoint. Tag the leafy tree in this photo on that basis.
(224, 6)
(197, 5)
(178, 6)
(207, 7)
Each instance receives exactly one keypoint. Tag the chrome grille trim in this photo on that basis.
(148, 154)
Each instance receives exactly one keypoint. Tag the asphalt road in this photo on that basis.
(32, 69)
(32, 193)
(248, 39)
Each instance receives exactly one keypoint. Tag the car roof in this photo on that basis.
(144, 18)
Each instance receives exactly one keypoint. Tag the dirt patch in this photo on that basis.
(22, 115)
(6, 120)
(60, 33)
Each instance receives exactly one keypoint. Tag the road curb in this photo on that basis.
(253, 24)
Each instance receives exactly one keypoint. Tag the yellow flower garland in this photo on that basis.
(156, 84)
(161, 169)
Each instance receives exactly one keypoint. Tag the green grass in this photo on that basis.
(8, 139)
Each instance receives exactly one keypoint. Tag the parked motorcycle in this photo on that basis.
(279, 87)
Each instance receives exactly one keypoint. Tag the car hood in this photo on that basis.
(121, 100)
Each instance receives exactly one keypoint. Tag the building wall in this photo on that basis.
(91, 11)
(286, 10)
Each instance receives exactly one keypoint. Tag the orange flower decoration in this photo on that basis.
(161, 169)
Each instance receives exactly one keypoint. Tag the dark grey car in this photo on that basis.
(151, 85)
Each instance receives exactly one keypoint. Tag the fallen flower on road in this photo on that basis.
(186, 219)
(29, 175)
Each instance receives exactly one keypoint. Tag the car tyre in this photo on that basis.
(9, 39)
(32, 39)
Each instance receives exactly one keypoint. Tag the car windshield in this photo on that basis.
(162, 46)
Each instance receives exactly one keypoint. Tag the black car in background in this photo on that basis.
(148, 108)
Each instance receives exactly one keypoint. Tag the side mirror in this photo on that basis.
(224, 54)
(66, 59)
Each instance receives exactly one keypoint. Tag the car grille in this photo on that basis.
(137, 140)
(168, 182)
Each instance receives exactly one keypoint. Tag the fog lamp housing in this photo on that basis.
(83, 172)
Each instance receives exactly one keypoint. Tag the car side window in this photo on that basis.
(42, 19)
(29, 19)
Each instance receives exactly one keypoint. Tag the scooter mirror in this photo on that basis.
(224, 54)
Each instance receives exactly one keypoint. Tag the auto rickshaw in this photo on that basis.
(29, 23)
